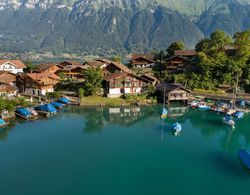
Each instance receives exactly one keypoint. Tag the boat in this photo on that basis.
(193, 104)
(3, 123)
(63, 100)
(176, 128)
(203, 106)
(57, 105)
(33, 112)
(242, 103)
(23, 113)
(239, 115)
(245, 157)
(229, 121)
(49, 108)
(164, 113)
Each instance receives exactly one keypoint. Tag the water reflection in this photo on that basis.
(127, 116)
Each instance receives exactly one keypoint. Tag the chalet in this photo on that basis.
(118, 84)
(69, 63)
(72, 72)
(142, 61)
(47, 68)
(174, 92)
(7, 89)
(38, 83)
(102, 63)
(177, 64)
(189, 54)
(115, 67)
(152, 79)
(8, 84)
(94, 64)
(7, 77)
(13, 66)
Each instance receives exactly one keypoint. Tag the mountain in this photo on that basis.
(114, 26)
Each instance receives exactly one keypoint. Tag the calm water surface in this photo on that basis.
(124, 151)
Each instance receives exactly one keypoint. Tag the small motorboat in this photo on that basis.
(193, 104)
(239, 115)
(63, 100)
(176, 128)
(203, 106)
(245, 157)
(164, 113)
(229, 121)
(242, 103)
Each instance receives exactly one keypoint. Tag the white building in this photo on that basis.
(13, 66)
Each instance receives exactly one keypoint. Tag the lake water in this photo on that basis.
(124, 151)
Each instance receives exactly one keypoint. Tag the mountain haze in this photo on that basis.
(114, 26)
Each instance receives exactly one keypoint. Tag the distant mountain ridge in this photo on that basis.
(114, 26)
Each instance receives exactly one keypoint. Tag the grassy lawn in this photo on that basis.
(97, 100)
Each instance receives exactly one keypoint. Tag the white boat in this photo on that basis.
(229, 121)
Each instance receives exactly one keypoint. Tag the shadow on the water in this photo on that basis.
(227, 164)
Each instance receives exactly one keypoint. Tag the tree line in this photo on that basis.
(213, 64)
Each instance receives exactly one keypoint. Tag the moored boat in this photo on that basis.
(57, 105)
(176, 128)
(245, 157)
(164, 113)
(49, 108)
(63, 100)
(239, 115)
(203, 106)
(3, 123)
(23, 113)
(229, 121)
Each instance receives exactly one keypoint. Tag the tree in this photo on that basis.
(80, 92)
(29, 67)
(179, 45)
(94, 78)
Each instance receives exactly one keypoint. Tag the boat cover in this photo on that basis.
(23, 111)
(2, 122)
(47, 108)
(63, 100)
(177, 126)
(245, 157)
(57, 104)
(239, 115)
(164, 111)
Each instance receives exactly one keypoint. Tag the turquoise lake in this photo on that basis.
(124, 151)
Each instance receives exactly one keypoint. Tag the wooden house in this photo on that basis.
(101, 63)
(47, 68)
(69, 63)
(177, 64)
(174, 92)
(115, 67)
(38, 83)
(13, 66)
(118, 84)
(8, 83)
(7, 77)
(142, 61)
(154, 81)
(72, 72)
(7, 89)
(188, 54)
